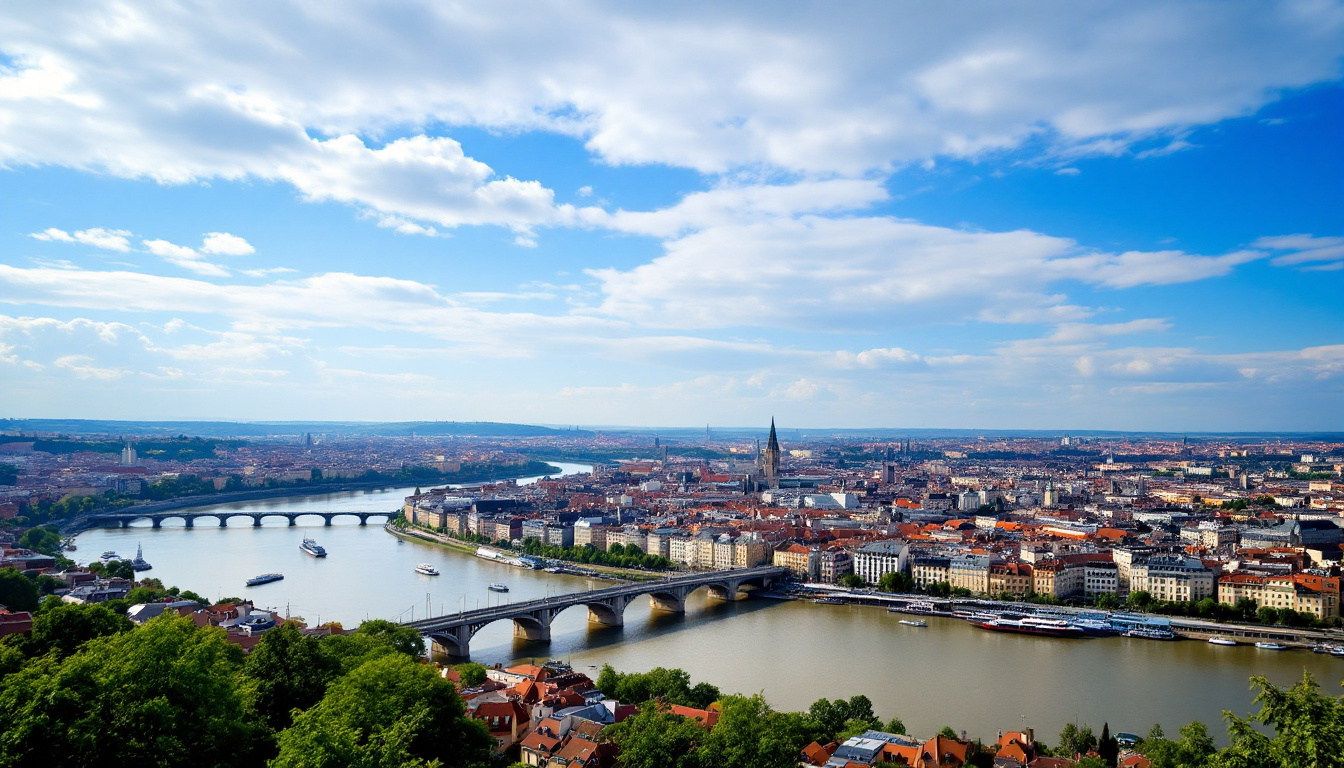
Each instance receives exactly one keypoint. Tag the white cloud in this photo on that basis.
(225, 244)
(1303, 249)
(238, 91)
(107, 239)
(184, 257)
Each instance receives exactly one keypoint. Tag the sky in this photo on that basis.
(1057, 215)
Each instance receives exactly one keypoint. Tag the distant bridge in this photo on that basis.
(451, 634)
(124, 519)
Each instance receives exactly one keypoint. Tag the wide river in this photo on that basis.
(795, 652)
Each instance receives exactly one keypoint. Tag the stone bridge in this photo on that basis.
(451, 634)
(124, 519)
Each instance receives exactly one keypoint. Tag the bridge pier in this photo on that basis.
(454, 642)
(326, 519)
(727, 593)
(190, 522)
(531, 630)
(256, 521)
(668, 602)
(609, 613)
(293, 520)
(156, 522)
(363, 519)
(223, 521)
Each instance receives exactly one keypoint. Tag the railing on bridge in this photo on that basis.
(532, 619)
(124, 519)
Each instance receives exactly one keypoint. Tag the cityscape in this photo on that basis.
(635, 385)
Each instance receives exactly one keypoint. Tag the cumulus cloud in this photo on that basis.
(159, 91)
(184, 257)
(225, 244)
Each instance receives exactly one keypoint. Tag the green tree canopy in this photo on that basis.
(751, 735)
(65, 627)
(670, 685)
(1308, 729)
(285, 671)
(472, 674)
(161, 695)
(391, 711)
(653, 739)
(17, 592)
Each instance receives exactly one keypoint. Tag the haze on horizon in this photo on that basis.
(1119, 216)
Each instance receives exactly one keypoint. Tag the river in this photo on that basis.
(795, 652)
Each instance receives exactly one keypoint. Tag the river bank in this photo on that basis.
(610, 573)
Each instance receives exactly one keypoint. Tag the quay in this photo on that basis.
(451, 634)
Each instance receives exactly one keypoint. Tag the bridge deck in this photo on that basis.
(559, 602)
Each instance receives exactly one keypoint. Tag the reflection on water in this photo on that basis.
(795, 652)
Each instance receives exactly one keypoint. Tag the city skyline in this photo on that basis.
(1122, 217)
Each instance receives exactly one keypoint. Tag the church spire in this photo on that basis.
(773, 443)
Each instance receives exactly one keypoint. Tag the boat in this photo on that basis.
(427, 569)
(1096, 627)
(108, 557)
(1271, 646)
(139, 563)
(1151, 633)
(265, 578)
(829, 601)
(1337, 651)
(1222, 641)
(915, 623)
(1034, 626)
(497, 587)
(921, 606)
(312, 548)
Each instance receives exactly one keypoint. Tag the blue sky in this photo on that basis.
(1118, 216)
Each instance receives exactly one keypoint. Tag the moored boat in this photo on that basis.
(497, 587)
(1222, 641)
(829, 601)
(1151, 633)
(1268, 646)
(427, 569)
(139, 563)
(915, 623)
(265, 578)
(1337, 651)
(1034, 626)
(312, 548)
(108, 557)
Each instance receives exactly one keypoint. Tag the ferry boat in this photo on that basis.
(1034, 626)
(427, 569)
(829, 601)
(921, 606)
(265, 578)
(108, 557)
(139, 563)
(1271, 646)
(312, 548)
(1151, 633)
(1337, 651)
(1096, 627)
(915, 623)
(1222, 641)
(497, 587)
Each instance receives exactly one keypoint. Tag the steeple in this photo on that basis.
(770, 459)
(773, 443)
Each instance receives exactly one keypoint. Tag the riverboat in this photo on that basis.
(427, 569)
(1337, 652)
(1222, 641)
(1271, 646)
(1151, 633)
(265, 578)
(921, 606)
(829, 601)
(312, 548)
(139, 563)
(1096, 627)
(915, 623)
(497, 587)
(108, 557)
(1034, 626)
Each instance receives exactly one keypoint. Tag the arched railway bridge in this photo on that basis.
(124, 519)
(452, 633)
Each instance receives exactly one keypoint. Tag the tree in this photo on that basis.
(287, 670)
(1107, 747)
(119, 569)
(939, 589)
(851, 580)
(1075, 740)
(44, 538)
(163, 694)
(895, 725)
(472, 674)
(670, 685)
(402, 639)
(1245, 608)
(838, 716)
(895, 581)
(751, 735)
(1192, 750)
(1140, 599)
(1107, 601)
(1308, 728)
(391, 711)
(17, 592)
(653, 739)
(65, 627)
(948, 733)
(1267, 615)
